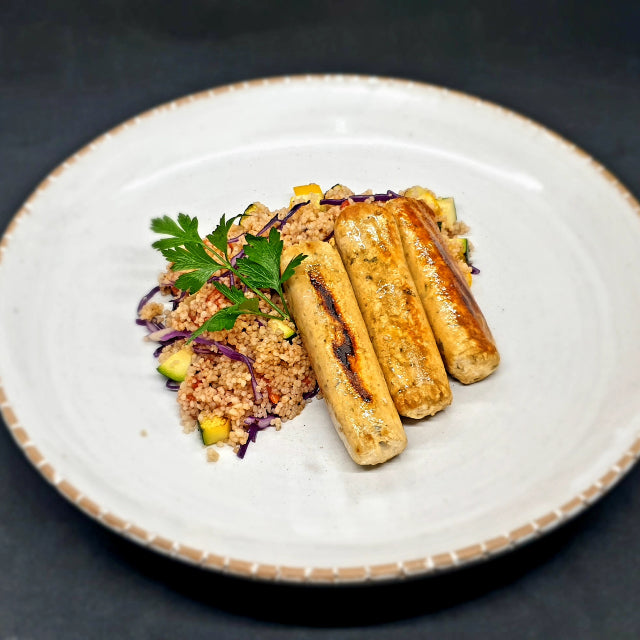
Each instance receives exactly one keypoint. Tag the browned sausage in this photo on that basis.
(461, 331)
(369, 243)
(327, 316)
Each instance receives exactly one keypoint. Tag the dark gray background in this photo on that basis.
(70, 70)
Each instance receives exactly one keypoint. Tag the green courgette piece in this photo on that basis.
(464, 249)
(448, 211)
(250, 210)
(176, 365)
(282, 327)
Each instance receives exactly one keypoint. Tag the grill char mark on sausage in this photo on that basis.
(343, 343)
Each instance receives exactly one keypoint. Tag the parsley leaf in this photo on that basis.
(226, 318)
(290, 268)
(193, 281)
(187, 251)
(220, 235)
(265, 252)
(196, 261)
(183, 231)
(257, 275)
(258, 269)
(192, 256)
(233, 294)
(261, 266)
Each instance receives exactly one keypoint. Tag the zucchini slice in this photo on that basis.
(176, 365)
(250, 210)
(279, 326)
(448, 212)
(461, 249)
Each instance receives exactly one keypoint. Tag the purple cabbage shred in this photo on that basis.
(224, 274)
(151, 327)
(164, 344)
(311, 394)
(145, 299)
(253, 425)
(227, 351)
(224, 349)
(268, 226)
(292, 211)
(178, 299)
(377, 197)
(275, 220)
(262, 423)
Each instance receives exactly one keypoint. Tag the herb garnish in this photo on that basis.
(256, 267)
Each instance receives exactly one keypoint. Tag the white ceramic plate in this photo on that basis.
(556, 240)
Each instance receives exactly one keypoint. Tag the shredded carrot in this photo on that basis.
(274, 398)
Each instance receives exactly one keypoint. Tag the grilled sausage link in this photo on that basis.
(461, 331)
(326, 312)
(369, 243)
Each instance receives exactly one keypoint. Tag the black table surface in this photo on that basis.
(70, 70)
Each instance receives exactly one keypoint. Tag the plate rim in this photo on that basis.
(418, 567)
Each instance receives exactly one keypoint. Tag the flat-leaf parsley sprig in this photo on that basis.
(258, 267)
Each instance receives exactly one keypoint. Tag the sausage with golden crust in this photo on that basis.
(461, 331)
(369, 243)
(326, 313)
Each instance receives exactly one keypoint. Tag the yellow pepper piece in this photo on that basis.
(306, 189)
(420, 193)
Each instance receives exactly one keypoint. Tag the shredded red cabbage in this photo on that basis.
(253, 426)
(170, 336)
(224, 349)
(236, 355)
(166, 334)
(268, 225)
(177, 300)
(377, 197)
(291, 212)
(151, 327)
(275, 220)
(146, 298)
(262, 423)
(164, 344)
(311, 394)
(474, 270)
(224, 274)
(172, 385)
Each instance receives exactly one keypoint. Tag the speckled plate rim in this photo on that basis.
(417, 567)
